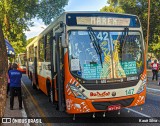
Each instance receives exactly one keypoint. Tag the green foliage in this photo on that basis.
(48, 10)
(113, 2)
(112, 9)
(16, 17)
(155, 46)
(140, 8)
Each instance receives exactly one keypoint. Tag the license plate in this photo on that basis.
(114, 107)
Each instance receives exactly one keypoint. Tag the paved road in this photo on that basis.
(37, 105)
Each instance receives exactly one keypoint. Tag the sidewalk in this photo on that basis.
(14, 113)
(150, 83)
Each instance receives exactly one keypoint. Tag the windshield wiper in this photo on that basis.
(122, 40)
(125, 36)
(95, 43)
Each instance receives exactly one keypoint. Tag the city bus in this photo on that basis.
(88, 62)
(21, 62)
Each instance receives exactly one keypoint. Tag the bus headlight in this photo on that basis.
(77, 93)
(141, 88)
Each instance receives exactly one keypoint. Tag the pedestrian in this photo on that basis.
(155, 69)
(8, 86)
(15, 85)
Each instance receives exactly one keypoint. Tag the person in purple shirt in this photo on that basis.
(15, 85)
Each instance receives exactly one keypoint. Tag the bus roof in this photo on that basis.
(90, 12)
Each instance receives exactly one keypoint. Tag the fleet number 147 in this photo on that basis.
(129, 91)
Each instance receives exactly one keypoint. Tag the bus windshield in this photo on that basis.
(122, 54)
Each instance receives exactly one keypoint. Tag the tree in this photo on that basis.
(113, 7)
(13, 22)
(48, 10)
(3, 72)
(15, 18)
(155, 47)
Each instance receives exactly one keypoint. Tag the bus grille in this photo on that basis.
(89, 85)
(104, 105)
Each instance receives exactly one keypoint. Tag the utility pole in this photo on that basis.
(148, 28)
(148, 24)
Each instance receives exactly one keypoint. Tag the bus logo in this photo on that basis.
(98, 94)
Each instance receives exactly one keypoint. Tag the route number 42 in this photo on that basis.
(129, 91)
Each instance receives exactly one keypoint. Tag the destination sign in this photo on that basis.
(105, 21)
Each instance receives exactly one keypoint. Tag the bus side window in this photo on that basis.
(47, 48)
(41, 50)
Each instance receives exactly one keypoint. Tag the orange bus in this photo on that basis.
(21, 61)
(88, 62)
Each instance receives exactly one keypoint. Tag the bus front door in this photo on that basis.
(58, 63)
(35, 75)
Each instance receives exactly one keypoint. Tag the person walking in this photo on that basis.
(155, 69)
(15, 85)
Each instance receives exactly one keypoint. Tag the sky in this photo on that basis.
(73, 5)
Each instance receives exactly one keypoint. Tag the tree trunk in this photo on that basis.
(3, 73)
